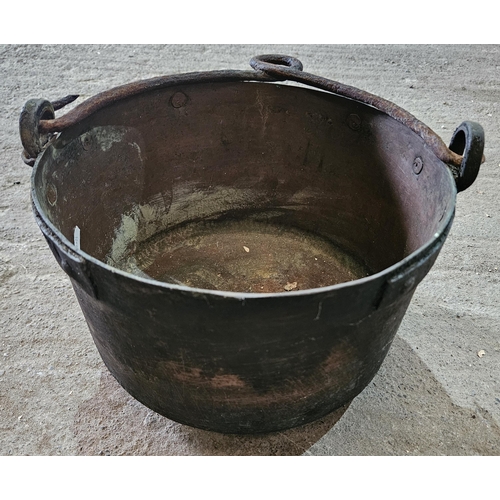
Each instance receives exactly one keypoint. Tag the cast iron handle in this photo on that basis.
(38, 123)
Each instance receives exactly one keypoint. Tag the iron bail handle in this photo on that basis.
(468, 141)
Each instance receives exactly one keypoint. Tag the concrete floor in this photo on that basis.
(434, 394)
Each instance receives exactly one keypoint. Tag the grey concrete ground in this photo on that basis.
(434, 394)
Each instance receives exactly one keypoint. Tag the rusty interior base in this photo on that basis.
(243, 256)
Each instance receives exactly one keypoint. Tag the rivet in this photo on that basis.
(65, 266)
(86, 142)
(418, 164)
(179, 99)
(354, 122)
(408, 285)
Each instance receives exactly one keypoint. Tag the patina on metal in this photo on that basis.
(244, 250)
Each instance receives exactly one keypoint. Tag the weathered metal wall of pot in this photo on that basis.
(241, 365)
(424, 189)
(88, 178)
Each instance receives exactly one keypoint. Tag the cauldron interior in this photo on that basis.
(257, 161)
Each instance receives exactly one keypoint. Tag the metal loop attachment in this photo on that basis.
(273, 63)
(33, 141)
(34, 111)
(468, 141)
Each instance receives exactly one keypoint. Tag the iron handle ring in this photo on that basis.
(33, 112)
(32, 140)
(268, 62)
(468, 141)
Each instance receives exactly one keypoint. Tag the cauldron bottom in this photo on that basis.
(242, 256)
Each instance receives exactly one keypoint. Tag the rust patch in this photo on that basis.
(196, 376)
(227, 381)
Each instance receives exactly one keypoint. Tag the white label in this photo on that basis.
(77, 237)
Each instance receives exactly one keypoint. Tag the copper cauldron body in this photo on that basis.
(243, 250)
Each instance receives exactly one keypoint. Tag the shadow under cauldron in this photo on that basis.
(114, 423)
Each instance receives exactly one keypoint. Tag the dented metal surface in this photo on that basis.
(246, 250)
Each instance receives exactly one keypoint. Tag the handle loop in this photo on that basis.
(268, 62)
(468, 141)
(33, 141)
(33, 112)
